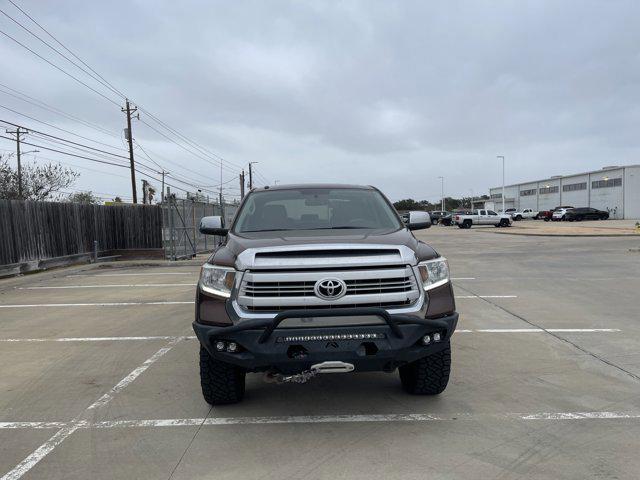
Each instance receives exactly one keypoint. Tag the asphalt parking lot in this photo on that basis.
(99, 378)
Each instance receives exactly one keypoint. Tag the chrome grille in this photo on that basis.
(305, 288)
(377, 287)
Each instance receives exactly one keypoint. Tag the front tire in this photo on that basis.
(428, 375)
(222, 383)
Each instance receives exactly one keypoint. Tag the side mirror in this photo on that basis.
(212, 226)
(418, 220)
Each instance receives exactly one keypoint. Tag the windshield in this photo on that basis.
(315, 209)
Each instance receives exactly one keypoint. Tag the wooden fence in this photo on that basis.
(36, 231)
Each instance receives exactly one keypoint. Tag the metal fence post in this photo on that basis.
(195, 237)
(184, 226)
(204, 214)
(172, 231)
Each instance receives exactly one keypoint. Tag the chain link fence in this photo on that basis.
(181, 237)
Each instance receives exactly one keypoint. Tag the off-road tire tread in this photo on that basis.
(222, 383)
(428, 375)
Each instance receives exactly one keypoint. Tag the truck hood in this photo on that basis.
(237, 244)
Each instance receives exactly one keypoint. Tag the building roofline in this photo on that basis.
(559, 177)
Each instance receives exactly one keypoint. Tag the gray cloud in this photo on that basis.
(387, 93)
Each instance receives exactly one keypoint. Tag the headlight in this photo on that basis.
(217, 280)
(434, 273)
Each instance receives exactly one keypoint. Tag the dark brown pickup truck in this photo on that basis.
(315, 279)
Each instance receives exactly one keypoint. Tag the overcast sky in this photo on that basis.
(393, 94)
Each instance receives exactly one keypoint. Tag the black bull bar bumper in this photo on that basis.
(378, 347)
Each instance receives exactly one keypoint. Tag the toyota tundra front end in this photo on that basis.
(314, 279)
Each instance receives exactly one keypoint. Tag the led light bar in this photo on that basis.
(337, 336)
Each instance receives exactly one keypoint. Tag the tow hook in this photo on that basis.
(333, 367)
(306, 375)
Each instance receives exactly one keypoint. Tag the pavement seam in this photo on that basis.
(190, 443)
(558, 337)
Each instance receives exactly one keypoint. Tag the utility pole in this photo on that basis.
(145, 186)
(18, 132)
(251, 175)
(129, 111)
(163, 173)
(242, 184)
(502, 157)
(442, 192)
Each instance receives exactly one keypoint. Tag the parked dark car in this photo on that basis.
(436, 215)
(585, 213)
(547, 214)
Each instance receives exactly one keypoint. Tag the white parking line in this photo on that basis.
(193, 337)
(308, 419)
(80, 422)
(401, 417)
(137, 285)
(486, 296)
(95, 339)
(122, 384)
(37, 425)
(42, 451)
(541, 330)
(114, 304)
(150, 274)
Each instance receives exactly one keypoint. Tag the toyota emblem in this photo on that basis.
(330, 288)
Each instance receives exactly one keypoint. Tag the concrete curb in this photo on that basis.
(571, 235)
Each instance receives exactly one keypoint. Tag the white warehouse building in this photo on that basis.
(612, 189)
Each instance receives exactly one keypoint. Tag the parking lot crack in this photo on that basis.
(554, 334)
(189, 444)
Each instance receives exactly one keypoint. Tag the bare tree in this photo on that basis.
(39, 182)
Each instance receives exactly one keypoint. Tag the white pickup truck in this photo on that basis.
(483, 217)
(527, 213)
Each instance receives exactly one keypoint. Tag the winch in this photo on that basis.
(306, 375)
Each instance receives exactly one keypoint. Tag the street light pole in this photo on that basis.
(442, 192)
(502, 157)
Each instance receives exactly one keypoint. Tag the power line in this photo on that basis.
(218, 164)
(63, 46)
(58, 68)
(58, 52)
(45, 106)
(52, 139)
(57, 128)
(187, 140)
(74, 149)
(84, 167)
(68, 153)
(59, 138)
(163, 124)
(94, 75)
